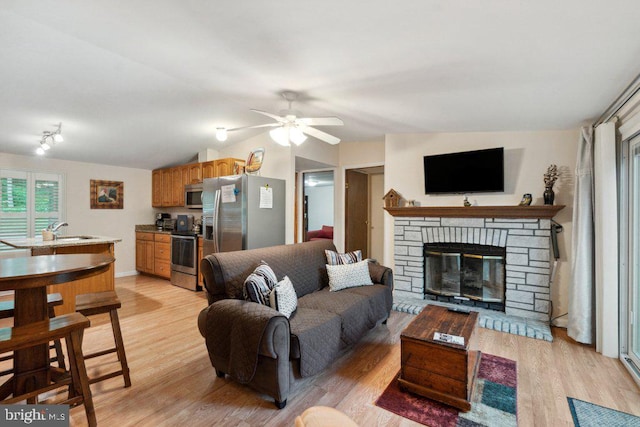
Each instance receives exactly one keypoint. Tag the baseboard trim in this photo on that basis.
(126, 273)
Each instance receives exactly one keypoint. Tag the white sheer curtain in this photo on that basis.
(581, 293)
(606, 238)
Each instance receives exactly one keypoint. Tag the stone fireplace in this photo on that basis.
(520, 245)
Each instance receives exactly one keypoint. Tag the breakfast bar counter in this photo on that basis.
(83, 244)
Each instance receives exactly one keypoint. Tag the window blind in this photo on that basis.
(29, 202)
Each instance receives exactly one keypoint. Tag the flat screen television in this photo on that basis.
(479, 171)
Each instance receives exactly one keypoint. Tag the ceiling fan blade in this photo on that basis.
(267, 125)
(321, 121)
(316, 133)
(273, 116)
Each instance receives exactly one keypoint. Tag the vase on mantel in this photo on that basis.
(548, 196)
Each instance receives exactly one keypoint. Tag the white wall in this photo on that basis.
(527, 156)
(118, 223)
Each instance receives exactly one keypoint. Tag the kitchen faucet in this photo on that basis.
(55, 226)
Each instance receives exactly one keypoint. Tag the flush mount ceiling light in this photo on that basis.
(221, 134)
(289, 127)
(49, 139)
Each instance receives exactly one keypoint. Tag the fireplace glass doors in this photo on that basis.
(457, 272)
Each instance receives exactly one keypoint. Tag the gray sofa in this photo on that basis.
(258, 346)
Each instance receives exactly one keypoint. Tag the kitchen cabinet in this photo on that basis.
(229, 166)
(222, 167)
(153, 253)
(209, 169)
(167, 187)
(144, 252)
(195, 173)
(167, 184)
(162, 255)
(156, 186)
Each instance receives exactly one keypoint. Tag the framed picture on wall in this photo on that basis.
(106, 194)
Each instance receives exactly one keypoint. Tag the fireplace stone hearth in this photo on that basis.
(526, 242)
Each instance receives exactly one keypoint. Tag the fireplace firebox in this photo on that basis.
(464, 273)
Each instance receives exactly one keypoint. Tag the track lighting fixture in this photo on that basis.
(49, 139)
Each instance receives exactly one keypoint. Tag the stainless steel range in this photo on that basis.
(184, 260)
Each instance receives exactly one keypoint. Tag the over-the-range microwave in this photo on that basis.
(193, 196)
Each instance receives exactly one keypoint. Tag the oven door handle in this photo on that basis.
(216, 218)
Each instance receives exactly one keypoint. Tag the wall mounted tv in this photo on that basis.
(480, 171)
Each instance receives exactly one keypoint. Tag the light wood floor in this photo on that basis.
(175, 385)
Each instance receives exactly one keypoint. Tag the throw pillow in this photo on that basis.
(259, 283)
(335, 258)
(265, 271)
(283, 297)
(348, 275)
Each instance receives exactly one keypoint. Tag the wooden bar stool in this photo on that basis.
(106, 302)
(53, 300)
(67, 326)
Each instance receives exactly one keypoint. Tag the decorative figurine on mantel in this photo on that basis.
(466, 201)
(549, 179)
(392, 199)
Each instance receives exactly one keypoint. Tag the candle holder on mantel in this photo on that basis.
(549, 179)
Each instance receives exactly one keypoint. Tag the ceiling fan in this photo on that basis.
(290, 127)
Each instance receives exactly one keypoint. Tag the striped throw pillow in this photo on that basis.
(335, 258)
(259, 284)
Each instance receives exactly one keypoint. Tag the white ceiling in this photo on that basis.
(144, 83)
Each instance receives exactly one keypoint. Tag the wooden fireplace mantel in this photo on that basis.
(535, 211)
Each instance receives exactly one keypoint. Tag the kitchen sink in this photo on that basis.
(73, 238)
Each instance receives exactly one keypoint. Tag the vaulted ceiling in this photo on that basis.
(145, 83)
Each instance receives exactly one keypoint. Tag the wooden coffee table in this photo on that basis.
(439, 370)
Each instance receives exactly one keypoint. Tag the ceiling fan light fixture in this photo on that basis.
(58, 138)
(44, 144)
(296, 136)
(280, 136)
(221, 134)
(40, 151)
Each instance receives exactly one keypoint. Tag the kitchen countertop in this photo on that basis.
(80, 240)
(150, 228)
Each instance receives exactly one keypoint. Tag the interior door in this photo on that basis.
(356, 212)
(634, 249)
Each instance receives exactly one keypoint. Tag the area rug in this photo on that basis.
(494, 401)
(587, 414)
(488, 319)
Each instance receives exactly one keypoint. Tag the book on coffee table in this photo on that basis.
(452, 339)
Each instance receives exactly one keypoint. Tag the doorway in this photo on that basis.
(317, 205)
(630, 256)
(364, 219)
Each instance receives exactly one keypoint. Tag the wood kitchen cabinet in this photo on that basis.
(153, 253)
(167, 187)
(195, 173)
(222, 167)
(229, 166)
(156, 188)
(209, 169)
(162, 255)
(168, 183)
(144, 252)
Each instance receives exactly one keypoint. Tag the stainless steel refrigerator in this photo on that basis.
(242, 212)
